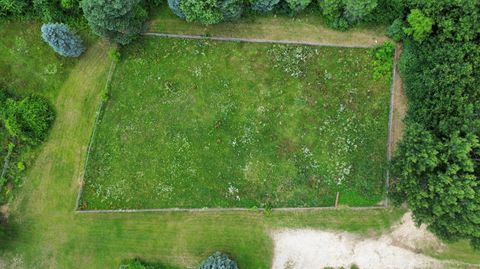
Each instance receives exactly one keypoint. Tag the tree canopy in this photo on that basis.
(119, 20)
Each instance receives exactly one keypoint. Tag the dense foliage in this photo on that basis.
(231, 9)
(175, 7)
(62, 40)
(28, 120)
(437, 166)
(119, 20)
(45, 10)
(341, 14)
(205, 12)
(383, 63)
(263, 6)
(218, 261)
(298, 5)
(420, 25)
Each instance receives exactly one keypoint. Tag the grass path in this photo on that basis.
(46, 233)
(308, 26)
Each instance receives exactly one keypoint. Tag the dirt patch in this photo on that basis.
(314, 249)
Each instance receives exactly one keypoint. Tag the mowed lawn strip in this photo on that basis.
(308, 26)
(195, 123)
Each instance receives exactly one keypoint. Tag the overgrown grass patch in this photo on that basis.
(196, 123)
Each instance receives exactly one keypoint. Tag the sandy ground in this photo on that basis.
(315, 249)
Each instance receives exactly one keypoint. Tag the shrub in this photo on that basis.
(218, 261)
(29, 119)
(298, 5)
(231, 9)
(383, 63)
(205, 12)
(263, 6)
(395, 31)
(118, 20)
(114, 54)
(175, 7)
(420, 25)
(62, 40)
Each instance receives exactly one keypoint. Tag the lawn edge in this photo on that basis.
(98, 117)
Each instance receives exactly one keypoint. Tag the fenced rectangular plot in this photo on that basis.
(196, 123)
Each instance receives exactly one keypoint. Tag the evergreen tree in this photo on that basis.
(62, 40)
(118, 20)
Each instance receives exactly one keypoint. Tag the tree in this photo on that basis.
(420, 25)
(62, 40)
(263, 6)
(175, 7)
(118, 20)
(437, 179)
(218, 261)
(231, 9)
(298, 5)
(204, 11)
(436, 170)
(356, 10)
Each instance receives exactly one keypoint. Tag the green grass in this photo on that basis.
(223, 124)
(44, 232)
(27, 66)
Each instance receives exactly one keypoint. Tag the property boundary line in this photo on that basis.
(256, 40)
(230, 209)
(240, 209)
(98, 116)
(390, 125)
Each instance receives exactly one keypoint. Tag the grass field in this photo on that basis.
(240, 125)
(44, 231)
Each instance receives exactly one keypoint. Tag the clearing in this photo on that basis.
(196, 123)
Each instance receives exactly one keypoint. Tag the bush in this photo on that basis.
(29, 119)
(263, 6)
(114, 54)
(231, 9)
(205, 12)
(118, 20)
(395, 31)
(383, 63)
(175, 7)
(218, 261)
(62, 40)
(298, 5)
